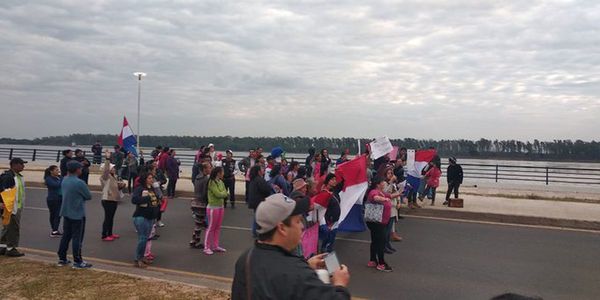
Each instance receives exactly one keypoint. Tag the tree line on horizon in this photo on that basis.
(483, 148)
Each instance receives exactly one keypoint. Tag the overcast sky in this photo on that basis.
(422, 69)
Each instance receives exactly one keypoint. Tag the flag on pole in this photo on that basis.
(354, 174)
(415, 162)
(127, 139)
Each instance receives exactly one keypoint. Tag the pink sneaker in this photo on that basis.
(371, 264)
(115, 236)
(384, 268)
(108, 239)
(208, 252)
(219, 249)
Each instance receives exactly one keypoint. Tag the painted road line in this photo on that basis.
(427, 218)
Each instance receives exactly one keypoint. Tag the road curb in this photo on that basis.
(502, 218)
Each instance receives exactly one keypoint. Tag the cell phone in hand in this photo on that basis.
(331, 262)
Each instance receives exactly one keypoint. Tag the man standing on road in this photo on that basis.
(117, 159)
(270, 271)
(75, 193)
(228, 165)
(97, 150)
(12, 179)
(67, 157)
(455, 178)
(85, 165)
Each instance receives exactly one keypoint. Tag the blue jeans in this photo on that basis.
(388, 232)
(327, 238)
(143, 227)
(72, 230)
(254, 234)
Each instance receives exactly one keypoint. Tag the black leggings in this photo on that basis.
(230, 185)
(171, 187)
(54, 208)
(110, 208)
(377, 241)
(452, 187)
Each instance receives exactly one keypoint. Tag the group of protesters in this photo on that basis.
(268, 179)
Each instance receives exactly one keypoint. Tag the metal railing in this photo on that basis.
(496, 172)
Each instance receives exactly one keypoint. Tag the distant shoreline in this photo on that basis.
(550, 151)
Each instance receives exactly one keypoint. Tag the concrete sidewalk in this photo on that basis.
(479, 204)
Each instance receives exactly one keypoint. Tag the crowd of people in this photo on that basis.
(285, 197)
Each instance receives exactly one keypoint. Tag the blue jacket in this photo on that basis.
(53, 185)
(75, 193)
(282, 183)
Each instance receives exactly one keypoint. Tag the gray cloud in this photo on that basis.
(424, 69)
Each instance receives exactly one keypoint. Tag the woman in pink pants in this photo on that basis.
(217, 195)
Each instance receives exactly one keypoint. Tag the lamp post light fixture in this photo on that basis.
(139, 76)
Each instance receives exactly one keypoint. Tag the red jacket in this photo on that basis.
(433, 177)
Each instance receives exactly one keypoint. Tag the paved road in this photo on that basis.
(437, 260)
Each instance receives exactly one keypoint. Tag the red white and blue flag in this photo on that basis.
(415, 162)
(127, 139)
(354, 174)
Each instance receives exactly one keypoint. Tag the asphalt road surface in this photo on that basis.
(437, 259)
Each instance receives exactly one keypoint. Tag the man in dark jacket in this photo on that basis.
(85, 165)
(172, 169)
(12, 178)
(258, 190)
(117, 159)
(97, 151)
(228, 164)
(270, 270)
(309, 160)
(199, 203)
(67, 157)
(455, 178)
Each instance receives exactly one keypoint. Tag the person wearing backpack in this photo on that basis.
(199, 203)
(327, 206)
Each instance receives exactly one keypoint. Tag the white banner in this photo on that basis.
(380, 147)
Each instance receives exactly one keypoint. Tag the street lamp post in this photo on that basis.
(139, 76)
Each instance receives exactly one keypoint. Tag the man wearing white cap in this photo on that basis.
(270, 270)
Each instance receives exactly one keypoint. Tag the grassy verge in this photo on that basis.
(25, 279)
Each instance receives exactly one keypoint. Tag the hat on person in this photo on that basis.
(277, 208)
(229, 151)
(210, 145)
(298, 184)
(17, 161)
(452, 159)
(73, 165)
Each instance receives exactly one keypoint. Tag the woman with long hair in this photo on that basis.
(392, 189)
(378, 229)
(146, 210)
(325, 162)
(111, 195)
(217, 194)
(53, 180)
